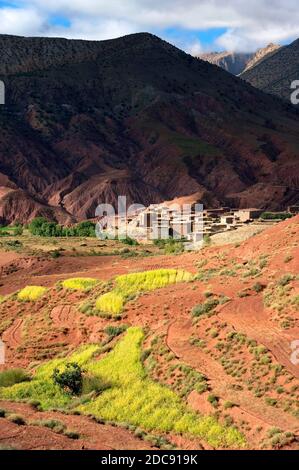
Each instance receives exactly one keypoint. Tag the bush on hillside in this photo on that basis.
(69, 380)
(13, 376)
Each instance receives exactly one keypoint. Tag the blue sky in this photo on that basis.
(193, 25)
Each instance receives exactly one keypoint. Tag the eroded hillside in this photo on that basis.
(199, 346)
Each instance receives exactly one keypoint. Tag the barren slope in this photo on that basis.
(87, 121)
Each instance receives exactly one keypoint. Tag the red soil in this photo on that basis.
(54, 324)
(92, 435)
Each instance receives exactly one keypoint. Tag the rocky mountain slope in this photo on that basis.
(85, 122)
(232, 62)
(238, 62)
(261, 54)
(276, 73)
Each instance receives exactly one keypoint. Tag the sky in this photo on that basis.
(195, 26)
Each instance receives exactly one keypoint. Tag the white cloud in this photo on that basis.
(195, 48)
(249, 24)
(92, 29)
(20, 21)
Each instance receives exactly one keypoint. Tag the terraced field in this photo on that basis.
(184, 351)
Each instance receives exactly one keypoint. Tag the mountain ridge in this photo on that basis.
(147, 121)
(239, 62)
(275, 74)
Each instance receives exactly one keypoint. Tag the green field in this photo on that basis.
(131, 397)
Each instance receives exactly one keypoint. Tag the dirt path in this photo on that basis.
(12, 336)
(64, 315)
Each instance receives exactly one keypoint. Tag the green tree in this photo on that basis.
(69, 380)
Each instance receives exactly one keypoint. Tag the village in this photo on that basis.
(192, 224)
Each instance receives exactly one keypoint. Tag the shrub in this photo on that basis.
(173, 247)
(72, 434)
(70, 380)
(275, 215)
(207, 240)
(55, 425)
(113, 331)
(79, 283)
(258, 287)
(92, 383)
(271, 401)
(18, 231)
(2, 413)
(228, 404)
(13, 376)
(31, 293)
(35, 227)
(129, 241)
(203, 309)
(273, 431)
(214, 400)
(285, 280)
(17, 419)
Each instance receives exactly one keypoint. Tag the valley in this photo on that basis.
(212, 345)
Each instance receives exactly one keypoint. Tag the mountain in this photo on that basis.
(276, 73)
(260, 55)
(238, 62)
(86, 121)
(232, 62)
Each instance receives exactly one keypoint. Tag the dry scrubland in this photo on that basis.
(174, 351)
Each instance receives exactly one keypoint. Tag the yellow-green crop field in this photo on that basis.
(80, 283)
(31, 293)
(42, 387)
(112, 303)
(132, 284)
(131, 397)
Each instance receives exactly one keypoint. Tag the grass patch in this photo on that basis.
(17, 419)
(132, 397)
(111, 303)
(42, 387)
(114, 331)
(13, 376)
(135, 399)
(129, 285)
(80, 283)
(31, 293)
(206, 308)
(53, 424)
